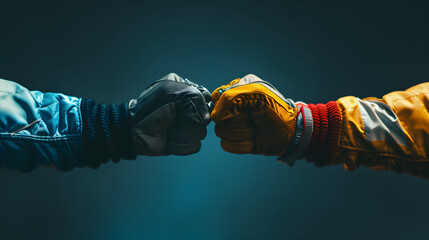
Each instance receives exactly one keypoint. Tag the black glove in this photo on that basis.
(169, 117)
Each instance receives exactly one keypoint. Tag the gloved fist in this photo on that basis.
(252, 116)
(170, 117)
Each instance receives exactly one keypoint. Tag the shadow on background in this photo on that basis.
(315, 53)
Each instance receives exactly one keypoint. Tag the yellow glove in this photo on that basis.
(392, 133)
(252, 116)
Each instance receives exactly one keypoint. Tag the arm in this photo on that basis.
(52, 129)
(251, 116)
(391, 133)
(38, 129)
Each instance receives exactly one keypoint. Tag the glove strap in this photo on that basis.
(302, 135)
(106, 133)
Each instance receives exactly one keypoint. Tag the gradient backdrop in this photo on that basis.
(314, 52)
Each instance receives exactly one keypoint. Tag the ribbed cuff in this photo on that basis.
(326, 133)
(106, 133)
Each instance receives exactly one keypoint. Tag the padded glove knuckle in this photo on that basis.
(176, 129)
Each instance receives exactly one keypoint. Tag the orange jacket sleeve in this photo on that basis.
(391, 133)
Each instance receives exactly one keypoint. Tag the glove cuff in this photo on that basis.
(326, 133)
(106, 133)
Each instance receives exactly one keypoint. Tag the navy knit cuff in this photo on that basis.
(106, 133)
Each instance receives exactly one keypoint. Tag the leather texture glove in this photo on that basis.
(252, 116)
(169, 117)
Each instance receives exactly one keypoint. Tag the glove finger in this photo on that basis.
(241, 147)
(207, 97)
(226, 104)
(224, 111)
(186, 136)
(192, 112)
(205, 92)
(234, 134)
(179, 148)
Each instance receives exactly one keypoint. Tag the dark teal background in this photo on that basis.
(312, 52)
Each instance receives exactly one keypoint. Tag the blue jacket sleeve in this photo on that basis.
(39, 129)
(60, 131)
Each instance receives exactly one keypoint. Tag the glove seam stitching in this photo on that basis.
(237, 101)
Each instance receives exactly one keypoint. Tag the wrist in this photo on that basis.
(327, 129)
(106, 133)
(316, 135)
